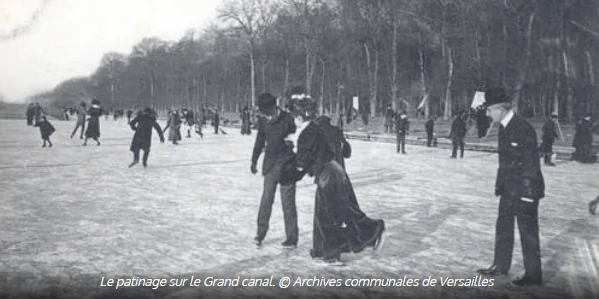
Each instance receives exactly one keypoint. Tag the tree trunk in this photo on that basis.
(478, 59)
(423, 82)
(448, 107)
(375, 80)
(321, 101)
(264, 76)
(524, 68)
(252, 76)
(394, 83)
(286, 84)
(590, 67)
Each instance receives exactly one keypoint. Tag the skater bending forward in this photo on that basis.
(142, 140)
(340, 226)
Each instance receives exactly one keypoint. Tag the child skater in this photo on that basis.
(46, 129)
(142, 140)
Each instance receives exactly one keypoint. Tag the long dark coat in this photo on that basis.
(584, 134)
(549, 134)
(93, 128)
(519, 174)
(142, 125)
(339, 223)
(46, 129)
(458, 129)
(334, 136)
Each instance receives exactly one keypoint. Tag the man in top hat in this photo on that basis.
(520, 185)
(274, 125)
(548, 138)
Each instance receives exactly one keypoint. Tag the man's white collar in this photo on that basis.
(506, 120)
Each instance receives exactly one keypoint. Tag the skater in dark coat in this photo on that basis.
(80, 120)
(46, 130)
(548, 138)
(93, 126)
(458, 133)
(340, 226)
(246, 128)
(583, 140)
(274, 125)
(520, 185)
(430, 130)
(334, 136)
(402, 128)
(174, 125)
(142, 140)
(30, 114)
(215, 121)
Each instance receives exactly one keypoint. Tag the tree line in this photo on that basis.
(432, 54)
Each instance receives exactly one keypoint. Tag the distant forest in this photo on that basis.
(397, 52)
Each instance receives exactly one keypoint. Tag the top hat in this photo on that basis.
(496, 95)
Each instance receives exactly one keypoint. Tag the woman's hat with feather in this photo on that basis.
(301, 103)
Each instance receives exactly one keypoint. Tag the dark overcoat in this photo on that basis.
(519, 174)
(142, 125)
(93, 128)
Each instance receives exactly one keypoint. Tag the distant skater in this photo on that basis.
(93, 128)
(142, 139)
(46, 129)
(174, 126)
(80, 120)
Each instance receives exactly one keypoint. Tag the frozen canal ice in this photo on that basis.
(73, 214)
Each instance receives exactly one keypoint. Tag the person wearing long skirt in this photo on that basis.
(93, 127)
(142, 140)
(340, 226)
(174, 126)
(46, 130)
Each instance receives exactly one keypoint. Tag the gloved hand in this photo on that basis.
(253, 168)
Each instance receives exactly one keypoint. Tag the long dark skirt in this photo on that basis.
(93, 128)
(339, 224)
(174, 134)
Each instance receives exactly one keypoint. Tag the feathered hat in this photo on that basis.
(302, 103)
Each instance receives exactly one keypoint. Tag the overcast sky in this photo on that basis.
(61, 39)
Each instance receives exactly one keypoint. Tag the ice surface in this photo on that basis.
(70, 212)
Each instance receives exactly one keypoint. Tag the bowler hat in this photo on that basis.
(496, 95)
(266, 101)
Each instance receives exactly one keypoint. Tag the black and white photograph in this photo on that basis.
(299, 149)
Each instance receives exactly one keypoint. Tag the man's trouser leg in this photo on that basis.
(504, 233)
(268, 196)
(289, 211)
(454, 148)
(528, 225)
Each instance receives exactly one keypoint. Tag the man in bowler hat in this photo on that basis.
(273, 127)
(520, 185)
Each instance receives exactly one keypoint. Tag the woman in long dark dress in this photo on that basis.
(340, 226)
(174, 124)
(142, 140)
(93, 127)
